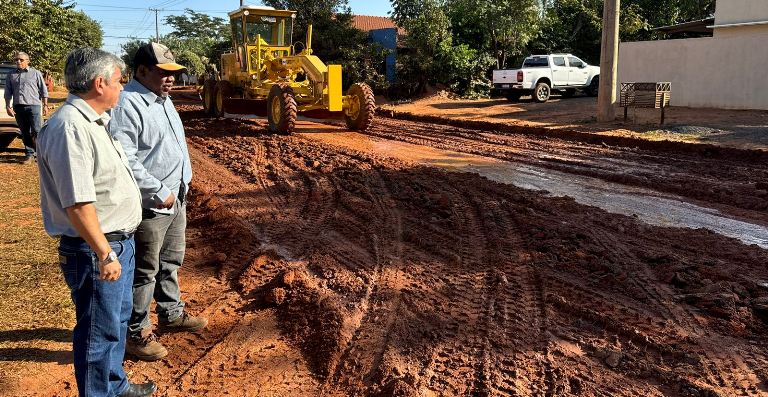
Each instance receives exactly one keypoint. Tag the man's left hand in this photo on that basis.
(45, 110)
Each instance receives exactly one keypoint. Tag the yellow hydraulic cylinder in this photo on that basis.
(309, 40)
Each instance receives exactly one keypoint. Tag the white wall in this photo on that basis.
(740, 11)
(718, 72)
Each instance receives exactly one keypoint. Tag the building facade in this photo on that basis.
(722, 71)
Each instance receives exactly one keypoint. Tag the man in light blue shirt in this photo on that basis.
(149, 128)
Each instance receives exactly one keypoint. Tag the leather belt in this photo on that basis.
(111, 237)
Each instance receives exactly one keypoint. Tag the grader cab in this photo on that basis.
(264, 72)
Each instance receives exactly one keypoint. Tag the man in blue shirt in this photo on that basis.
(149, 128)
(26, 87)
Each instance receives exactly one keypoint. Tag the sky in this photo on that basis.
(122, 19)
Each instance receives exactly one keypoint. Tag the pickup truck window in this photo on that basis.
(558, 61)
(4, 72)
(542, 62)
(575, 62)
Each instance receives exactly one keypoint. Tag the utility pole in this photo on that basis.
(609, 60)
(157, 25)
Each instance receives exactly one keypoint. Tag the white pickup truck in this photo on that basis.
(541, 74)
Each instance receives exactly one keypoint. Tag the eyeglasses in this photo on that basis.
(22, 59)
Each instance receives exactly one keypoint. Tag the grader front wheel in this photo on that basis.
(209, 97)
(281, 112)
(362, 107)
(223, 91)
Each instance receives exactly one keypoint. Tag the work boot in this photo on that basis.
(185, 322)
(139, 390)
(145, 347)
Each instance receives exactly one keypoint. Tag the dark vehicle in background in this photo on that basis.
(8, 129)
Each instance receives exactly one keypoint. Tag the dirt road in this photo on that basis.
(330, 268)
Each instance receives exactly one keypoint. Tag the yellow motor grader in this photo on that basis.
(264, 66)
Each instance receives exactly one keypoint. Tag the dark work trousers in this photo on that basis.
(30, 120)
(160, 246)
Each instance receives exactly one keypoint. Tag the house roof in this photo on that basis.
(366, 23)
(702, 26)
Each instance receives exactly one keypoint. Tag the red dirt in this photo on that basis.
(333, 271)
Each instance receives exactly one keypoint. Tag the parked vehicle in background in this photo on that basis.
(542, 74)
(4, 69)
(8, 129)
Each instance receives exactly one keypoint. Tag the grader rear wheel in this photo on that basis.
(281, 111)
(209, 97)
(223, 91)
(362, 107)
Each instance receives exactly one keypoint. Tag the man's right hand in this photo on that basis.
(168, 203)
(9, 110)
(111, 271)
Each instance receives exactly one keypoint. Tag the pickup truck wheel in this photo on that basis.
(594, 86)
(542, 92)
(514, 96)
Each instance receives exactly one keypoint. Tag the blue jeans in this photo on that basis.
(30, 120)
(102, 309)
(160, 246)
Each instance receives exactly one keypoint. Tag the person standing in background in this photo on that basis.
(26, 88)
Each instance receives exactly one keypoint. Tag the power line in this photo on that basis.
(122, 8)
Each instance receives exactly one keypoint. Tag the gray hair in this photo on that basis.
(21, 53)
(84, 65)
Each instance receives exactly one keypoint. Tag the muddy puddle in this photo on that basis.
(647, 205)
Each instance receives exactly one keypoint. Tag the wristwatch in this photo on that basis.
(111, 257)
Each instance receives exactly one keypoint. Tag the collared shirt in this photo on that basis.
(80, 162)
(150, 129)
(26, 86)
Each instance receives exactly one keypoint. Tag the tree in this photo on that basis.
(191, 60)
(198, 25)
(130, 49)
(45, 29)
(332, 30)
(428, 29)
(573, 26)
(499, 27)
(198, 33)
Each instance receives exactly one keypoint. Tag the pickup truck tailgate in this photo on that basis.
(508, 76)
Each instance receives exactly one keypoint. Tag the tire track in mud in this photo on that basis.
(450, 301)
(722, 368)
(361, 367)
